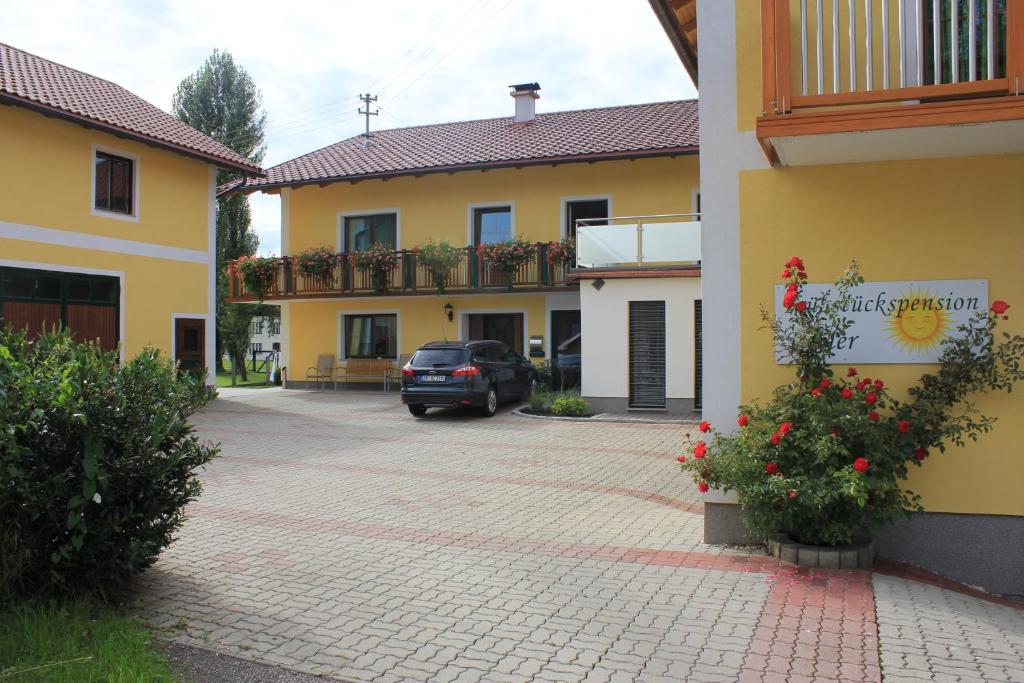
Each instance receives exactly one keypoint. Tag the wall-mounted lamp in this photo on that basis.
(449, 311)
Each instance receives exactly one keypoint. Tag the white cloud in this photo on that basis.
(312, 60)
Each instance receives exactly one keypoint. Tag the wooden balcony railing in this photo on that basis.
(828, 53)
(473, 273)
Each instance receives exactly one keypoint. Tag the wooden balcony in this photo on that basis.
(472, 275)
(868, 80)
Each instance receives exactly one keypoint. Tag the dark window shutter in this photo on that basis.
(698, 354)
(647, 354)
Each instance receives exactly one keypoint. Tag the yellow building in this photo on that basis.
(530, 176)
(838, 137)
(107, 213)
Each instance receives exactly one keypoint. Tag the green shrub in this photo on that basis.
(546, 375)
(539, 400)
(569, 406)
(826, 458)
(97, 462)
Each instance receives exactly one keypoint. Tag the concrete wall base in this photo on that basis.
(723, 525)
(676, 407)
(986, 551)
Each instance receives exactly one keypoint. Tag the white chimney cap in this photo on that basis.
(524, 94)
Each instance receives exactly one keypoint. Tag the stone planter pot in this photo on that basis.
(853, 556)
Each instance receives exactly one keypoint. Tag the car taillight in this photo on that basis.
(407, 371)
(466, 371)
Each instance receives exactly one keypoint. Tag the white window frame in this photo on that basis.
(342, 215)
(471, 211)
(341, 329)
(132, 217)
(563, 205)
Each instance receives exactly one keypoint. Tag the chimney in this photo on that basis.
(524, 94)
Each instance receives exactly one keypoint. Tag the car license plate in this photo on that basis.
(432, 378)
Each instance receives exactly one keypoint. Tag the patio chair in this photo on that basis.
(322, 372)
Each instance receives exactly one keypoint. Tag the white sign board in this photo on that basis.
(899, 322)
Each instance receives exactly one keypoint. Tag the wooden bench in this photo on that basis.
(367, 368)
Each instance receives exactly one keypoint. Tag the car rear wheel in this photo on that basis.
(418, 411)
(490, 403)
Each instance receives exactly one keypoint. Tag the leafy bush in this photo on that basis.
(569, 406)
(97, 462)
(317, 263)
(562, 252)
(439, 257)
(539, 400)
(825, 459)
(546, 375)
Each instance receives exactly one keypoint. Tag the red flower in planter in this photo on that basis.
(815, 392)
(903, 426)
(771, 468)
(700, 450)
(785, 428)
(852, 372)
(776, 438)
(861, 465)
(846, 393)
(825, 384)
(702, 487)
(743, 420)
(792, 493)
(873, 416)
(871, 399)
(681, 458)
(705, 426)
(999, 306)
(920, 454)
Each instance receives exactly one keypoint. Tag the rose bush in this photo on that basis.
(825, 459)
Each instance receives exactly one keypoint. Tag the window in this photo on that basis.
(256, 347)
(275, 326)
(492, 224)
(362, 231)
(257, 326)
(584, 209)
(114, 178)
(371, 336)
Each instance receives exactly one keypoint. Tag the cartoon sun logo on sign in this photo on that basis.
(916, 324)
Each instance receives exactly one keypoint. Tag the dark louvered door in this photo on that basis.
(647, 354)
(698, 354)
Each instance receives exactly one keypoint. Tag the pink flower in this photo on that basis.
(792, 493)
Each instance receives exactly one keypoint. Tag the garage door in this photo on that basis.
(40, 300)
(647, 354)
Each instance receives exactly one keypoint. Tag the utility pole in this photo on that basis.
(367, 99)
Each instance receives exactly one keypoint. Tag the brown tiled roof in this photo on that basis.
(51, 88)
(630, 131)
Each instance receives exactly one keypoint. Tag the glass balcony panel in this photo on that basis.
(671, 242)
(606, 245)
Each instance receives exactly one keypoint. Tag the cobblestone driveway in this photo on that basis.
(339, 535)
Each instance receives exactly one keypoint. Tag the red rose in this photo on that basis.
(903, 426)
(790, 299)
(742, 421)
(879, 384)
(705, 426)
(846, 393)
(815, 392)
(795, 262)
(825, 384)
(681, 458)
(999, 306)
(776, 438)
(784, 428)
(861, 465)
(700, 450)
(920, 454)
(792, 493)
(801, 306)
(871, 399)
(771, 468)
(852, 372)
(786, 274)
(835, 433)
(873, 416)
(702, 487)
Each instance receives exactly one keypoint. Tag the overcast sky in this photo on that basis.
(442, 60)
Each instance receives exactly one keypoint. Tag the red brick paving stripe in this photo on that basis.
(685, 506)
(475, 541)
(911, 573)
(817, 625)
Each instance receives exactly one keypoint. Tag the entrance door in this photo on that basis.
(190, 344)
(647, 354)
(577, 209)
(503, 327)
(566, 347)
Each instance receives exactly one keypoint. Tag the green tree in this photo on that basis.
(222, 100)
